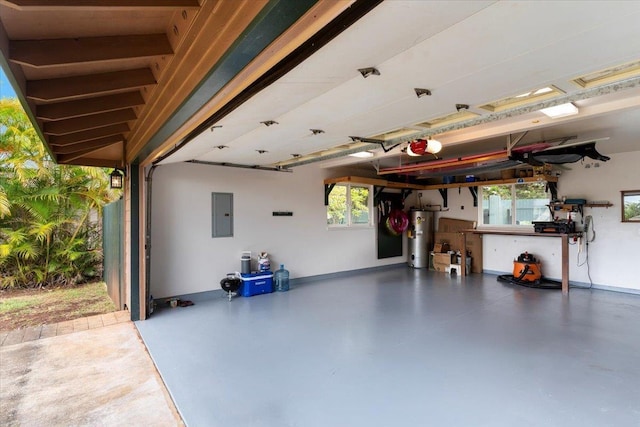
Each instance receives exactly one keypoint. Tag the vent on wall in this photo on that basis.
(610, 75)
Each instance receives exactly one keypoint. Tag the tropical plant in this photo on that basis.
(49, 213)
(632, 211)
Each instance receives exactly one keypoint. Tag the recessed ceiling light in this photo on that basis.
(562, 110)
(316, 131)
(362, 154)
(369, 71)
(420, 92)
(269, 123)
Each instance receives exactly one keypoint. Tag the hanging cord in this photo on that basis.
(589, 230)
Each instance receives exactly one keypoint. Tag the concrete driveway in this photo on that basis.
(99, 377)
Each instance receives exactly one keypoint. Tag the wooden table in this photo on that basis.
(564, 239)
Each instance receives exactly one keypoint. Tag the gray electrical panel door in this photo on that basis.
(221, 214)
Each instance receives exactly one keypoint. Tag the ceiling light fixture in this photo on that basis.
(262, 151)
(268, 123)
(316, 131)
(420, 147)
(221, 147)
(362, 154)
(462, 107)
(369, 71)
(562, 110)
(422, 92)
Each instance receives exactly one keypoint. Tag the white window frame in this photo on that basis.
(349, 223)
(513, 224)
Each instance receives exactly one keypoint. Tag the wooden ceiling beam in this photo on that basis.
(69, 158)
(66, 159)
(88, 135)
(89, 145)
(83, 107)
(101, 4)
(93, 84)
(43, 53)
(78, 124)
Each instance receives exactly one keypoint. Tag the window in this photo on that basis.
(631, 206)
(349, 206)
(514, 204)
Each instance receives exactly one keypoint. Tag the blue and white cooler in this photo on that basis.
(256, 283)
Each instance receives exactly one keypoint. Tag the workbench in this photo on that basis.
(564, 241)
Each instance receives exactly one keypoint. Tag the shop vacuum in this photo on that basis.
(527, 272)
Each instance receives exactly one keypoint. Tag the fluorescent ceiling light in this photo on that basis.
(543, 90)
(562, 110)
(362, 154)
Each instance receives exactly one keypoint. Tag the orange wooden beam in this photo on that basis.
(43, 53)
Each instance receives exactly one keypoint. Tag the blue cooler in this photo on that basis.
(256, 283)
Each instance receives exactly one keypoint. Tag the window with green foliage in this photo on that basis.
(514, 204)
(631, 206)
(349, 205)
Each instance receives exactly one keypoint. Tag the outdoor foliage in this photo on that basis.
(632, 210)
(49, 214)
(337, 211)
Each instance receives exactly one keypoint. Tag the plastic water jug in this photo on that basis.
(281, 279)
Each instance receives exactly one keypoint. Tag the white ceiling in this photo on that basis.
(465, 52)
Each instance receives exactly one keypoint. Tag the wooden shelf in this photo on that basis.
(374, 181)
(546, 178)
(403, 185)
(598, 205)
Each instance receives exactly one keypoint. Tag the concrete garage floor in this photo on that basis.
(95, 377)
(403, 347)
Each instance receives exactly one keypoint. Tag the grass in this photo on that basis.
(34, 307)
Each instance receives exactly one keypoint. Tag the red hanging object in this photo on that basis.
(417, 147)
(397, 222)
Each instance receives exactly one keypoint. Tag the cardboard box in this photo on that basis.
(442, 268)
(474, 248)
(459, 241)
(450, 225)
(441, 259)
(441, 247)
(454, 240)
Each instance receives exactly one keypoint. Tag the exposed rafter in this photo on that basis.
(69, 109)
(49, 4)
(43, 53)
(88, 135)
(62, 127)
(83, 86)
(89, 145)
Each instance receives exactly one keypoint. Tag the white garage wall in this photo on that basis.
(616, 250)
(186, 259)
